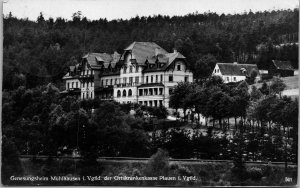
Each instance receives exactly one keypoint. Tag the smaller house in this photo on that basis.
(281, 68)
(234, 72)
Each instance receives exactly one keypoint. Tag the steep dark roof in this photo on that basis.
(96, 59)
(236, 69)
(282, 65)
(152, 54)
(142, 51)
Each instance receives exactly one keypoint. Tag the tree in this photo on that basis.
(204, 67)
(255, 93)
(277, 86)
(40, 19)
(265, 89)
(179, 96)
(219, 105)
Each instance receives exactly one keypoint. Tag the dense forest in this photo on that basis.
(39, 52)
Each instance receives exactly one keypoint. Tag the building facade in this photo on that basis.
(234, 72)
(144, 73)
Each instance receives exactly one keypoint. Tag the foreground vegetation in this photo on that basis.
(207, 174)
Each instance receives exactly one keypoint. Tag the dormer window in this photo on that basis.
(178, 67)
(130, 69)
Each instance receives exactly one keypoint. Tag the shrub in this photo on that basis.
(255, 173)
(158, 164)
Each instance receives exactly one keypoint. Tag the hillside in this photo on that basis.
(39, 52)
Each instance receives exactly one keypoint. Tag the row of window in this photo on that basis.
(137, 69)
(217, 70)
(76, 84)
(72, 85)
(154, 103)
(87, 95)
(87, 72)
(124, 93)
(227, 78)
(130, 69)
(148, 79)
(150, 91)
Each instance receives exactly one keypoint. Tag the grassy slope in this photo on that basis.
(292, 85)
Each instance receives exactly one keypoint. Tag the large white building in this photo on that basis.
(234, 72)
(145, 73)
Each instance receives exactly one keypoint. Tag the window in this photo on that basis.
(215, 70)
(111, 81)
(130, 69)
(161, 78)
(116, 81)
(234, 78)
(160, 91)
(186, 78)
(119, 93)
(124, 80)
(136, 69)
(136, 79)
(106, 83)
(150, 91)
(227, 78)
(102, 83)
(170, 78)
(155, 91)
(140, 92)
(72, 84)
(83, 84)
(156, 78)
(146, 79)
(160, 103)
(91, 95)
(83, 95)
(178, 67)
(130, 80)
(130, 92)
(151, 78)
(76, 84)
(68, 85)
(124, 70)
(124, 93)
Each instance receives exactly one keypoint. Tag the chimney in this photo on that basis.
(175, 50)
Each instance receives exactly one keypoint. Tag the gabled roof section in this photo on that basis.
(233, 69)
(142, 51)
(95, 60)
(283, 65)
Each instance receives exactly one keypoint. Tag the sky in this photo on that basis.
(126, 9)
